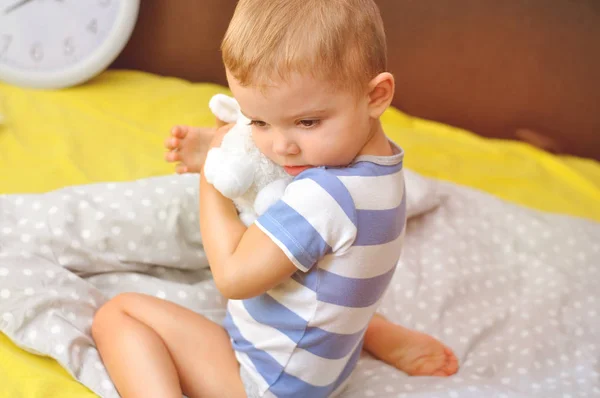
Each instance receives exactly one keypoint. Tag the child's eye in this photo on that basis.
(308, 123)
(257, 123)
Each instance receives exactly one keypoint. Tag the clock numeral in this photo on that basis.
(104, 3)
(16, 6)
(37, 52)
(6, 40)
(93, 26)
(69, 46)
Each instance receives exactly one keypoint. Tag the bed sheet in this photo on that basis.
(112, 130)
(512, 291)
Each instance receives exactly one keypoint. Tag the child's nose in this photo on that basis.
(283, 146)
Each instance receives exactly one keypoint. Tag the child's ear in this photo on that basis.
(381, 92)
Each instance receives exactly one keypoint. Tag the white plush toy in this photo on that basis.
(238, 169)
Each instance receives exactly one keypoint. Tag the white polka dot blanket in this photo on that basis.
(514, 292)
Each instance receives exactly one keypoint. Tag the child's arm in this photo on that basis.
(245, 262)
(316, 216)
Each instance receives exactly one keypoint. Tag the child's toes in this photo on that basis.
(452, 362)
(450, 366)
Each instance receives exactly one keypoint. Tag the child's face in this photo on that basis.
(305, 123)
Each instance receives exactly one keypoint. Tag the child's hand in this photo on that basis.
(218, 136)
(188, 146)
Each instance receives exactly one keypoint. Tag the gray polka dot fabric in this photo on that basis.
(513, 291)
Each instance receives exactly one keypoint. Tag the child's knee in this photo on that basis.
(107, 317)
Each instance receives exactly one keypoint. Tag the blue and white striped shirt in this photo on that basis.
(343, 228)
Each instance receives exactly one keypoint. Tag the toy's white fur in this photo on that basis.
(238, 169)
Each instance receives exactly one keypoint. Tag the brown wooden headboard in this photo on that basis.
(522, 69)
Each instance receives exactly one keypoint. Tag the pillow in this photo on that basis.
(422, 194)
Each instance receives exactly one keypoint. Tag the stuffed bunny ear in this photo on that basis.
(225, 108)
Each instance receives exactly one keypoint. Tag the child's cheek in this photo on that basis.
(262, 142)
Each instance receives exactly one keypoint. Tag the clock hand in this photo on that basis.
(15, 6)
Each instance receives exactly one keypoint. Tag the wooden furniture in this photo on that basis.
(518, 69)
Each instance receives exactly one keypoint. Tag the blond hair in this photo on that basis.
(340, 41)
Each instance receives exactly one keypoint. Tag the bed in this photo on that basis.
(103, 132)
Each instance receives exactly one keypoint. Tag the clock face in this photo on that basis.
(47, 42)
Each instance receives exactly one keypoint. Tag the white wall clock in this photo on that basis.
(60, 43)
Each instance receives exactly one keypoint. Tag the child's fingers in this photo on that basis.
(179, 131)
(172, 156)
(171, 143)
(181, 169)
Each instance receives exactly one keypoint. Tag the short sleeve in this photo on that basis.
(315, 216)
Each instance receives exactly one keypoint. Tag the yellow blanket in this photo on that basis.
(113, 129)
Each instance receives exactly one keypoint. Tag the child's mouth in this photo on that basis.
(295, 170)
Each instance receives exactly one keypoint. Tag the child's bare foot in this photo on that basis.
(412, 352)
(188, 147)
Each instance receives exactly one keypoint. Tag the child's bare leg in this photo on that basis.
(155, 348)
(414, 353)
